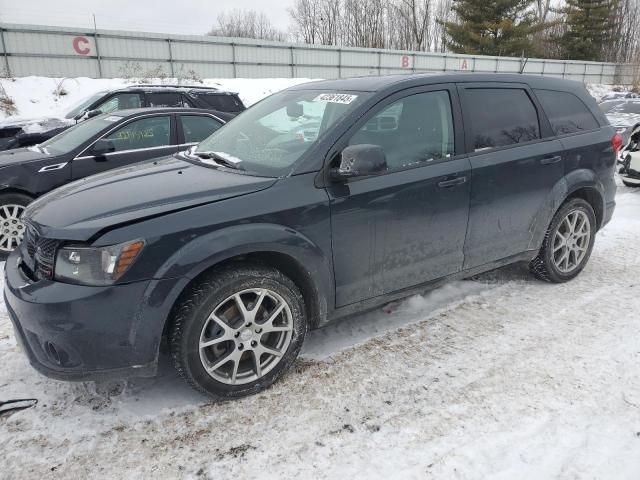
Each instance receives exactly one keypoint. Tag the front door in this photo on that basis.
(138, 140)
(514, 170)
(406, 226)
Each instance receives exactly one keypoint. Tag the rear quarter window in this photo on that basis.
(224, 103)
(566, 112)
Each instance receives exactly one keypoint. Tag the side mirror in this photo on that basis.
(295, 110)
(93, 113)
(360, 161)
(102, 146)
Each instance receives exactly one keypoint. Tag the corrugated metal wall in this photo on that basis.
(60, 52)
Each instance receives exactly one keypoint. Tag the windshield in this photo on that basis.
(272, 135)
(80, 107)
(74, 137)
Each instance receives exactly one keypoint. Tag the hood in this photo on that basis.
(81, 209)
(35, 125)
(20, 155)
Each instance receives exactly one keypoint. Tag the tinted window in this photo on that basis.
(121, 101)
(165, 100)
(224, 103)
(566, 112)
(144, 133)
(198, 127)
(501, 116)
(414, 130)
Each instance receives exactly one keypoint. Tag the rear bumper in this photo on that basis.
(72, 332)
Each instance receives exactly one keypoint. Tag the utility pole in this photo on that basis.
(95, 40)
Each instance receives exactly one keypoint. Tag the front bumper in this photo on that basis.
(73, 332)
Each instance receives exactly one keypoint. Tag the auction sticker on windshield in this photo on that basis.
(335, 98)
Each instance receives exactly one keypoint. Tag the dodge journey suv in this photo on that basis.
(320, 201)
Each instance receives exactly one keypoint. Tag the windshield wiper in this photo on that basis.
(217, 158)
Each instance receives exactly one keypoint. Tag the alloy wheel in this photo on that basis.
(11, 227)
(246, 336)
(571, 241)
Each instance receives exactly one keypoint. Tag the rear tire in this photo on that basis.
(237, 330)
(12, 206)
(567, 243)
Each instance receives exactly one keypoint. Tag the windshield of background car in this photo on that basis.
(75, 136)
(272, 135)
(80, 107)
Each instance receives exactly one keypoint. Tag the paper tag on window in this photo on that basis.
(113, 118)
(335, 98)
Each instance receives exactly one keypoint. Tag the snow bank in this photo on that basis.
(35, 96)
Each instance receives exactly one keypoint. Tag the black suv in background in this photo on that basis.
(24, 133)
(320, 201)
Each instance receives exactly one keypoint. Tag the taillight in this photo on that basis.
(616, 143)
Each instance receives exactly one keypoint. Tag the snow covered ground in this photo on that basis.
(35, 97)
(499, 377)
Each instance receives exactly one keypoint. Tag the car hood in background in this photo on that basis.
(81, 209)
(35, 125)
(21, 155)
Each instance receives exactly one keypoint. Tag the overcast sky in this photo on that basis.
(170, 16)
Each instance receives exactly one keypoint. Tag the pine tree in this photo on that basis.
(589, 28)
(492, 27)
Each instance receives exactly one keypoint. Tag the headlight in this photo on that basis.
(95, 266)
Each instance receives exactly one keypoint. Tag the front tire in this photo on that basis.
(12, 206)
(237, 330)
(567, 244)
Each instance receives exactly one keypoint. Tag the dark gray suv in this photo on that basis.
(320, 201)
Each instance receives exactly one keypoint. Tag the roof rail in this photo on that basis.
(143, 85)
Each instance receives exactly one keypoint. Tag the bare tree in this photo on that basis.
(417, 19)
(305, 15)
(246, 24)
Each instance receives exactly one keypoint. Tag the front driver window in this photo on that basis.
(415, 130)
(122, 101)
(144, 133)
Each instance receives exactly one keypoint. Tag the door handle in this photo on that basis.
(550, 160)
(452, 183)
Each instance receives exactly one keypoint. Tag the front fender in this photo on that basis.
(207, 250)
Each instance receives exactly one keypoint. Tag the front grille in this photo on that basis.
(40, 253)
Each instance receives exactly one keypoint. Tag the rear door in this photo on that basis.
(137, 140)
(515, 164)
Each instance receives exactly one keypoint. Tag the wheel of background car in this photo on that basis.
(629, 184)
(237, 330)
(567, 244)
(12, 206)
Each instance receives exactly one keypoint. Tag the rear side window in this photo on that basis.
(198, 127)
(566, 112)
(501, 117)
(165, 100)
(224, 103)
